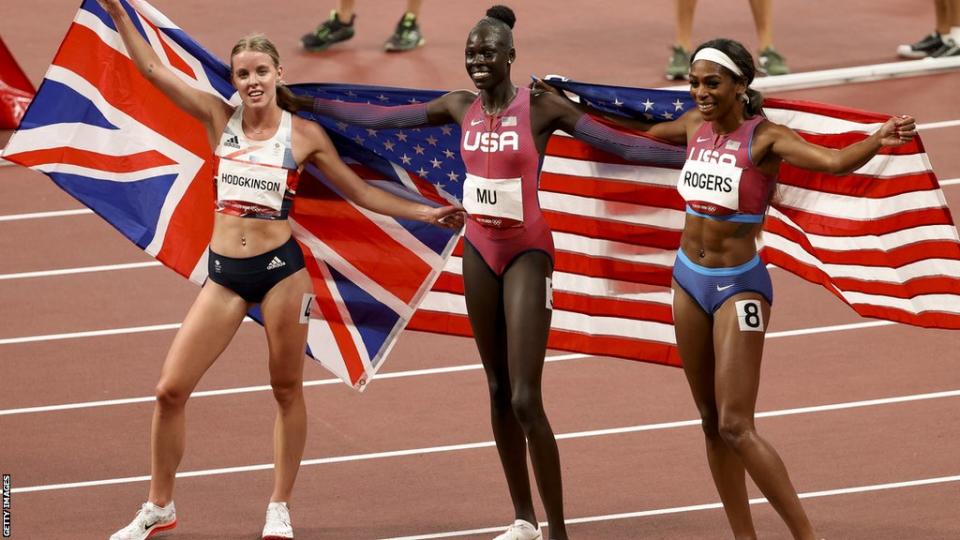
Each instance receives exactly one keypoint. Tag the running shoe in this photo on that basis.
(150, 520)
(923, 48)
(521, 530)
(278, 525)
(948, 49)
(406, 37)
(770, 62)
(679, 64)
(328, 32)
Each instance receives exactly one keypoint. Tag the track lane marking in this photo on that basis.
(80, 270)
(697, 507)
(490, 444)
(42, 215)
(379, 376)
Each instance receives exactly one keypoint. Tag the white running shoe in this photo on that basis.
(278, 525)
(521, 530)
(150, 520)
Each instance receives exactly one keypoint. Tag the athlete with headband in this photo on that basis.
(722, 291)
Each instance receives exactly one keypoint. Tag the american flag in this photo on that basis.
(880, 238)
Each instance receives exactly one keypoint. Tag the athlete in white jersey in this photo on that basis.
(253, 258)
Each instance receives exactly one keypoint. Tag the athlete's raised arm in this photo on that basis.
(201, 105)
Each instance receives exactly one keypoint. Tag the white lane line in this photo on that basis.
(697, 507)
(938, 125)
(950, 182)
(80, 270)
(264, 388)
(489, 444)
(41, 215)
(95, 333)
(379, 376)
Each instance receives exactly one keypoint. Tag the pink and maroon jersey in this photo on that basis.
(503, 176)
(719, 179)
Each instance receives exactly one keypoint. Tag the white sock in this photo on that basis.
(955, 34)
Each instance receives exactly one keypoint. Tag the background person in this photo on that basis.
(339, 27)
(769, 61)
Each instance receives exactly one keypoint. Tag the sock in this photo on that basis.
(955, 34)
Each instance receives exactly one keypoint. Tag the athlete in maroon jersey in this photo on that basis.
(508, 259)
(722, 291)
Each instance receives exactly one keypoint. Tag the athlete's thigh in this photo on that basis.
(483, 292)
(206, 331)
(528, 310)
(739, 329)
(285, 320)
(694, 331)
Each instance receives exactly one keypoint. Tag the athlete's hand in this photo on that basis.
(538, 86)
(898, 130)
(450, 217)
(112, 7)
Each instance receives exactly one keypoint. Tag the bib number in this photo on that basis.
(710, 188)
(495, 203)
(251, 183)
(306, 305)
(749, 315)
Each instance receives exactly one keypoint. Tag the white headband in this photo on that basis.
(718, 57)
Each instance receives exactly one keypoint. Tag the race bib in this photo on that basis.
(251, 183)
(710, 188)
(494, 203)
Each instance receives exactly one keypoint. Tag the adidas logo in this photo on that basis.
(275, 263)
(232, 141)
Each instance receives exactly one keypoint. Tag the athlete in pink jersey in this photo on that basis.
(503, 175)
(252, 258)
(722, 290)
(508, 259)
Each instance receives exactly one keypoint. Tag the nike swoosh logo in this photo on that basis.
(699, 139)
(476, 122)
(725, 287)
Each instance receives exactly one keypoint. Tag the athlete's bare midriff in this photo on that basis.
(261, 235)
(719, 244)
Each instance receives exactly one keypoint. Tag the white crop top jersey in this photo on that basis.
(255, 179)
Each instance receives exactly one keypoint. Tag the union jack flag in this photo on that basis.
(104, 134)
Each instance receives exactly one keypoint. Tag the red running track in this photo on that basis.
(385, 463)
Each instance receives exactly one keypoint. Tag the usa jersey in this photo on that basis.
(719, 179)
(503, 177)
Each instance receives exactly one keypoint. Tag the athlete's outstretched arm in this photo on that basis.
(798, 152)
(673, 131)
(196, 103)
(443, 110)
(561, 113)
(324, 155)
